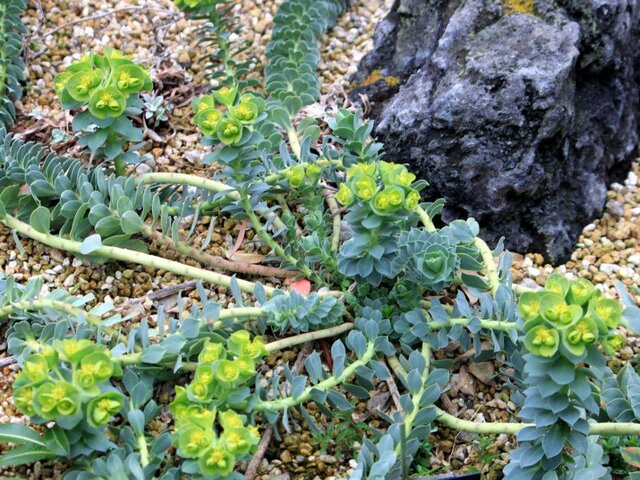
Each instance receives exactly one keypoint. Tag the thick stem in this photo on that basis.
(294, 141)
(415, 399)
(120, 166)
(325, 385)
(125, 255)
(425, 219)
(216, 261)
(605, 428)
(461, 425)
(488, 324)
(143, 449)
(40, 304)
(489, 263)
(307, 337)
(334, 208)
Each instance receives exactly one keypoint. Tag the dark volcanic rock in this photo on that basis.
(519, 120)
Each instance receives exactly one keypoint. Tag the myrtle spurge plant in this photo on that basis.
(105, 88)
(356, 256)
(11, 64)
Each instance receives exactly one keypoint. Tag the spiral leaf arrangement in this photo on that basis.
(11, 64)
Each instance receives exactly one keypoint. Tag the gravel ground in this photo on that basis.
(158, 35)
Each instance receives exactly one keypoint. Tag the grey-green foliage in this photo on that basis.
(222, 57)
(383, 460)
(558, 400)
(11, 65)
(371, 331)
(297, 313)
(621, 395)
(67, 198)
(293, 52)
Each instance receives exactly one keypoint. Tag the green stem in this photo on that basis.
(144, 450)
(415, 399)
(41, 304)
(324, 386)
(204, 184)
(294, 142)
(124, 255)
(308, 337)
(120, 166)
(425, 219)
(489, 263)
(275, 246)
(604, 428)
(497, 428)
(520, 289)
(334, 208)
(3, 55)
(489, 324)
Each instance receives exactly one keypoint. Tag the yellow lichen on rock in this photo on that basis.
(375, 76)
(519, 6)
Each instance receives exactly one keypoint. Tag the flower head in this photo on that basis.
(542, 341)
(56, 398)
(216, 460)
(129, 79)
(229, 131)
(107, 102)
(579, 335)
(193, 440)
(103, 407)
(345, 195)
(363, 186)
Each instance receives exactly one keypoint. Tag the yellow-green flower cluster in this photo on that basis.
(103, 82)
(224, 115)
(215, 445)
(221, 370)
(571, 315)
(46, 390)
(300, 175)
(385, 186)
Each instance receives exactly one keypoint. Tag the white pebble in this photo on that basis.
(609, 268)
(632, 180)
(589, 228)
(635, 259)
(533, 272)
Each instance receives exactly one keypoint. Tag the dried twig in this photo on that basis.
(5, 362)
(168, 291)
(395, 393)
(95, 17)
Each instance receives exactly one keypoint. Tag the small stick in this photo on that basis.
(5, 362)
(106, 14)
(395, 393)
(168, 291)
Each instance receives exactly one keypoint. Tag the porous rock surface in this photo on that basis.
(518, 113)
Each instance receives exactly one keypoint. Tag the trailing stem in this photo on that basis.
(325, 385)
(448, 420)
(125, 255)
